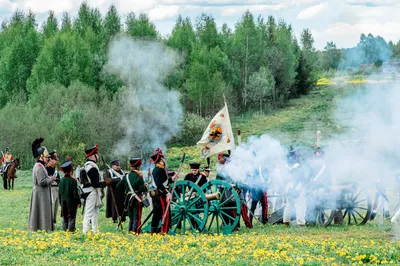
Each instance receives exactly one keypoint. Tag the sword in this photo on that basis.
(145, 220)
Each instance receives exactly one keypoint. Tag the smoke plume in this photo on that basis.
(151, 114)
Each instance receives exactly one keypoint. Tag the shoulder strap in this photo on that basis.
(131, 189)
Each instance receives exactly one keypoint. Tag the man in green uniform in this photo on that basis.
(134, 188)
(68, 196)
(195, 176)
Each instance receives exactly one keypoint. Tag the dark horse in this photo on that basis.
(10, 174)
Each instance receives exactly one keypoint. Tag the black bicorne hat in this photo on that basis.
(194, 165)
(67, 166)
(115, 162)
(92, 151)
(135, 162)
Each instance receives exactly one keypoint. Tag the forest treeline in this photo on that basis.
(53, 82)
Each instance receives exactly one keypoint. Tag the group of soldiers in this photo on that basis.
(126, 193)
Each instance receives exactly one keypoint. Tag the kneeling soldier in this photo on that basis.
(69, 197)
(133, 186)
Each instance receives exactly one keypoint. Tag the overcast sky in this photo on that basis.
(341, 21)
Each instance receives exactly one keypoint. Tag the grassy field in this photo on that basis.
(374, 243)
(265, 245)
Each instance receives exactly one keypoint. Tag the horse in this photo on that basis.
(11, 173)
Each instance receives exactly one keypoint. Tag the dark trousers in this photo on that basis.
(69, 216)
(135, 217)
(159, 209)
(262, 198)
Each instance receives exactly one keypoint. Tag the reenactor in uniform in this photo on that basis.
(258, 195)
(51, 168)
(68, 196)
(92, 190)
(381, 200)
(195, 176)
(206, 172)
(134, 188)
(161, 196)
(6, 159)
(222, 159)
(295, 190)
(116, 175)
(40, 216)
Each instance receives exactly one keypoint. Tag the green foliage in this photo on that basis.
(192, 130)
(141, 27)
(261, 88)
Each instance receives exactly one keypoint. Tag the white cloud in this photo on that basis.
(373, 2)
(163, 12)
(313, 11)
(239, 10)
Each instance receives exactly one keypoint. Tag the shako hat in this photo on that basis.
(92, 151)
(115, 162)
(67, 166)
(157, 155)
(135, 161)
(194, 165)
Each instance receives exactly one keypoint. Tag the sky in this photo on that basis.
(340, 21)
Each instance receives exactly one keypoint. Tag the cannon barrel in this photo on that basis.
(213, 196)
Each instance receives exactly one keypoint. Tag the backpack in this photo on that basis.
(83, 178)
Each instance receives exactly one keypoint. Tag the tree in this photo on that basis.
(141, 27)
(66, 24)
(331, 57)
(261, 88)
(182, 36)
(63, 59)
(206, 31)
(112, 23)
(50, 27)
(307, 67)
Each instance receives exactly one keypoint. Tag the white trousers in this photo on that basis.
(298, 205)
(381, 202)
(54, 204)
(91, 214)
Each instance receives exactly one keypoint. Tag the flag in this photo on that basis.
(218, 136)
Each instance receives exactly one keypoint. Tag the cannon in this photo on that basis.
(212, 208)
(347, 203)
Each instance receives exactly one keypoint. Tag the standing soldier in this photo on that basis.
(295, 190)
(206, 172)
(52, 171)
(93, 190)
(195, 176)
(116, 175)
(161, 196)
(6, 159)
(134, 188)
(40, 216)
(68, 196)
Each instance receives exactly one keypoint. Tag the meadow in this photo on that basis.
(374, 243)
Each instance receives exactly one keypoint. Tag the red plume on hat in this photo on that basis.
(92, 151)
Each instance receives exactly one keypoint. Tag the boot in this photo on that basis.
(387, 214)
(372, 217)
(286, 223)
(153, 230)
(130, 226)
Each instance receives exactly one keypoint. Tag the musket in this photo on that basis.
(145, 220)
(172, 192)
(112, 194)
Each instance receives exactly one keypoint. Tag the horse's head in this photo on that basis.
(17, 163)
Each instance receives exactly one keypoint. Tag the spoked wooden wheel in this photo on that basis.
(320, 204)
(189, 208)
(353, 205)
(224, 206)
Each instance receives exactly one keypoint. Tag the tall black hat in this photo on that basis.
(38, 149)
(135, 162)
(170, 173)
(157, 155)
(92, 151)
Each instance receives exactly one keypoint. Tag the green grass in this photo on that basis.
(262, 245)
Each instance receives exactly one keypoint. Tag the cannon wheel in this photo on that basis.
(224, 212)
(189, 208)
(323, 202)
(353, 204)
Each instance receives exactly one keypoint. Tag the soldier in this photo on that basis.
(295, 190)
(134, 188)
(161, 196)
(40, 215)
(68, 196)
(52, 171)
(195, 176)
(206, 172)
(258, 195)
(381, 200)
(116, 175)
(92, 190)
(222, 159)
(6, 159)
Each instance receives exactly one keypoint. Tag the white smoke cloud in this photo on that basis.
(151, 114)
